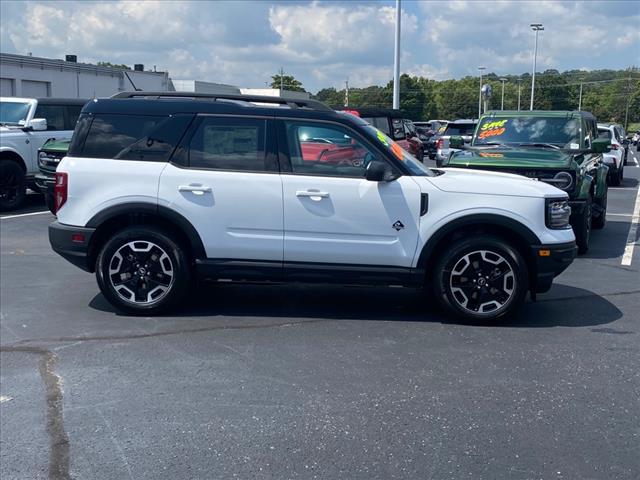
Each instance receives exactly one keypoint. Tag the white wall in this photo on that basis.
(71, 80)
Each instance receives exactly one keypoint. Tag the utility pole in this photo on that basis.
(626, 113)
(396, 62)
(580, 99)
(346, 93)
(519, 92)
(480, 92)
(537, 27)
(281, 80)
(502, 102)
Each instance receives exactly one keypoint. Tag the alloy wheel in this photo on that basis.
(482, 281)
(141, 272)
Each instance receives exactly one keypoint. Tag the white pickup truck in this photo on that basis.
(25, 125)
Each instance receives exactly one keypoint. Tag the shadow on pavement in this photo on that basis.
(609, 242)
(569, 306)
(33, 202)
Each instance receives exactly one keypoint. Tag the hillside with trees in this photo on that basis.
(608, 94)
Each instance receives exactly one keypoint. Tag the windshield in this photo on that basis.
(554, 131)
(408, 160)
(13, 113)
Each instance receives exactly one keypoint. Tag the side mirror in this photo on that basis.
(456, 141)
(378, 171)
(38, 124)
(601, 145)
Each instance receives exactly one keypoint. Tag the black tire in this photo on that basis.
(599, 222)
(582, 227)
(483, 267)
(124, 253)
(12, 185)
(614, 177)
(421, 155)
(50, 202)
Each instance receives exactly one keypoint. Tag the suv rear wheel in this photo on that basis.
(142, 271)
(481, 279)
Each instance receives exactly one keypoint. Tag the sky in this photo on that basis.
(322, 43)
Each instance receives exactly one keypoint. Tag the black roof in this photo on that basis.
(62, 101)
(171, 103)
(375, 112)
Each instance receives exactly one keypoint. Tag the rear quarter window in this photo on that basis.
(133, 137)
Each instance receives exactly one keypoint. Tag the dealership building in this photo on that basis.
(36, 77)
(28, 76)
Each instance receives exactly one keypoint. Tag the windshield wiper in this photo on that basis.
(542, 145)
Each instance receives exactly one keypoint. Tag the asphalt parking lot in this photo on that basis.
(254, 381)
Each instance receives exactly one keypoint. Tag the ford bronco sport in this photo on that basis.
(158, 187)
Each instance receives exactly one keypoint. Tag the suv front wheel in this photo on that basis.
(142, 271)
(481, 279)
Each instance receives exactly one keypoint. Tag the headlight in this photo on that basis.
(42, 159)
(558, 212)
(563, 181)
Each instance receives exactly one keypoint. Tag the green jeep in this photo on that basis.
(557, 147)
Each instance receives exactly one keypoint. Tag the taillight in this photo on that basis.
(439, 143)
(614, 146)
(60, 189)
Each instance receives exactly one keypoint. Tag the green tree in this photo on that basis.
(114, 65)
(287, 82)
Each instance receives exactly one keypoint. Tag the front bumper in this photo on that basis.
(45, 182)
(549, 262)
(72, 243)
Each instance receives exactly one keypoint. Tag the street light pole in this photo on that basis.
(396, 63)
(580, 99)
(519, 92)
(502, 102)
(537, 27)
(480, 92)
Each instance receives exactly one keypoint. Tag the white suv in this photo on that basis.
(157, 188)
(25, 125)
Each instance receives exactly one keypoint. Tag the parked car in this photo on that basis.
(391, 122)
(218, 187)
(560, 148)
(49, 157)
(461, 128)
(615, 159)
(25, 125)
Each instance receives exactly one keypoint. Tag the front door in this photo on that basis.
(332, 214)
(225, 181)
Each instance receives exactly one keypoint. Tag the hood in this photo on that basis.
(511, 158)
(492, 183)
(11, 131)
(57, 146)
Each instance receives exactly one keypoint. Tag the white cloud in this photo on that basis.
(324, 42)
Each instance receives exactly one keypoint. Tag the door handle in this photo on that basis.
(311, 194)
(197, 189)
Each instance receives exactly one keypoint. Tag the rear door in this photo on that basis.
(332, 214)
(224, 179)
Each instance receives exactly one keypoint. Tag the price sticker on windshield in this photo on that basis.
(492, 129)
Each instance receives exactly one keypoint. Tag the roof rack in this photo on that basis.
(290, 102)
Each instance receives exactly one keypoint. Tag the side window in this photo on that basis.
(73, 112)
(134, 137)
(229, 144)
(54, 115)
(322, 149)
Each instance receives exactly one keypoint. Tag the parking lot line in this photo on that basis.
(23, 215)
(633, 229)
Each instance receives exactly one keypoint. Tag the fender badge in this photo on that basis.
(398, 226)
